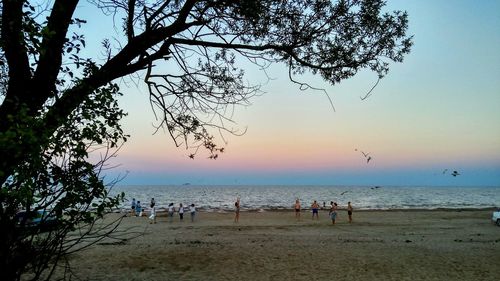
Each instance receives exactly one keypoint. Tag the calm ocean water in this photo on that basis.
(213, 198)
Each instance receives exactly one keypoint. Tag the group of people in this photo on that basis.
(137, 210)
(180, 211)
(315, 210)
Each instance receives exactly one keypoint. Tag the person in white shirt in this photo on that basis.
(192, 210)
(181, 211)
(171, 211)
(152, 206)
(152, 217)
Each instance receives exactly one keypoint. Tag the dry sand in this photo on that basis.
(378, 245)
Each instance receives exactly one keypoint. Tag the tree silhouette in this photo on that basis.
(57, 106)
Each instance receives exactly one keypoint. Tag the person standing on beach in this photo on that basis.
(349, 211)
(315, 207)
(297, 209)
(171, 211)
(138, 209)
(133, 207)
(181, 212)
(152, 217)
(237, 210)
(333, 212)
(192, 211)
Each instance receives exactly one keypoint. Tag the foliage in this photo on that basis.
(62, 182)
(59, 178)
(58, 109)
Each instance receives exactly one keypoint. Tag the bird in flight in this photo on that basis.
(366, 155)
(454, 173)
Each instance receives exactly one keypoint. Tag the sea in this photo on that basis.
(221, 198)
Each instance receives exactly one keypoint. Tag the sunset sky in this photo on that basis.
(439, 109)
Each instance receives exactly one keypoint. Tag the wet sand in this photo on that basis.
(378, 245)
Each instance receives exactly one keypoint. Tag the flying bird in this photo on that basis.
(366, 155)
(344, 192)
(454, 173)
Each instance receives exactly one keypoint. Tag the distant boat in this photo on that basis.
(187, 183)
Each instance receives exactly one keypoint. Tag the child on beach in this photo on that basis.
(315, 207)
(181, 212)
(297, 209)
(349, 211)
(237, 210)
(192, 211)
(171, 211)
(133, 207)
(138, 209)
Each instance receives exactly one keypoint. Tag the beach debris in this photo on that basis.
(366, 155)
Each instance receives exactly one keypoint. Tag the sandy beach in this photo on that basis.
(378, 245)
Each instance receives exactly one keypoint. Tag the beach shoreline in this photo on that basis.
(273, 245)
(163, 211)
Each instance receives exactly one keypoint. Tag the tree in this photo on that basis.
(57, 106)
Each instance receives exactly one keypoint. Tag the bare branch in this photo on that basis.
(305, 86)
(370, 91)
(130, 19)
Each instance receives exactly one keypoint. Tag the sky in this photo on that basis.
(439, 109)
